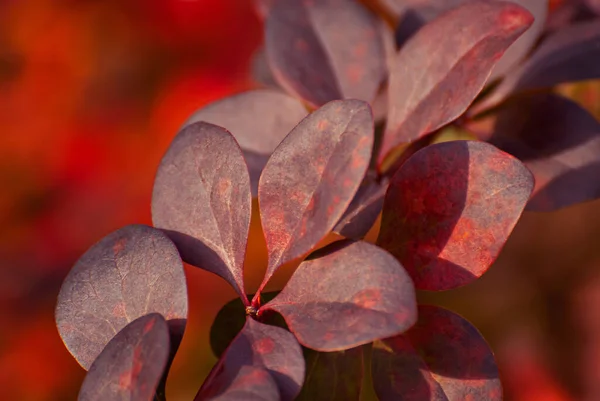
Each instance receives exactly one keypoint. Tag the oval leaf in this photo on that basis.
(559, 142)
(437, 75)
(345, 295)
(132, 364)
(259, 345)
(258, 119)
(133, 271)
(202, 200)
(249, 383)
(443, 357)
(450, 209)
(311, 178)
(325, 50)
(570, 54)
(333, 376)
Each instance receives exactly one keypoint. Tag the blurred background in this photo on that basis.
(91, 94)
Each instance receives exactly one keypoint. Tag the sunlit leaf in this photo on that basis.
(131, 365)
(259, 345)
(202, 200)
(436, 76)
(450, 209)
(345, 295)
(132, 272)
(258, 120)
(559, 142)
(442, 358)
(325, 50)
(311, 178)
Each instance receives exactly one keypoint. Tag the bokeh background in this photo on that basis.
(91, 94)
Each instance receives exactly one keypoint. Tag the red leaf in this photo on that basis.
(440, 70)
(415, 14)
(364, 209)
(133, 271)
(325, 50)
(345, 295)
(259, 345)
(132, 364)
(202, 200)
(443, 357)
(450, 209)
(311, 178)
(568, 55)
(258, 120)
(559, 142)
(249, 383)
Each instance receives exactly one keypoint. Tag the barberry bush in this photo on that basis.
(355, 125)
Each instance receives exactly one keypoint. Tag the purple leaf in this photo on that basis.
(261, 72)
(133, 271)
(415, 14)
(258, 120)
(568, 55)
(249, 383)
(262, 7)
(333, 376)
(325, 50)
(132, 364)
(443, 357)
(202, 200)
(450, 209)
(559, 142)
(364, 209)
(345, 295)
(311, 178)
(259, 345)
(593, 5)
(436, 75)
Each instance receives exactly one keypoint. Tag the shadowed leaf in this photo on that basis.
(442, 358)
(345, 295)
(333, 376)
(231, 320)
(259, 345)
(202, 200)
(131, 272)
(260, 70)
(363, 210)
(559, 142)
(258, 120)
(131, 365)
(450, 209)
(570, 54)
(436, 76)
(249, 383)
(325, 50)
(415, 14)
(311, 178)
(593, 5)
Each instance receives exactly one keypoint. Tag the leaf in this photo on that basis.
(437, 75)
(202, 200)
(333, 376)
(261, 72)
(249, 383)
(325, 50)
(259, 345)
(443, 357)
(559, 142)
(450, 209)
(416, 14)
(262, 7)
(258, 120)
(593, 5)
(311, 178)
(130, 273)
(364, 209)
(132, 364)
(345, 295)
(568, 55)
(230, 320)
